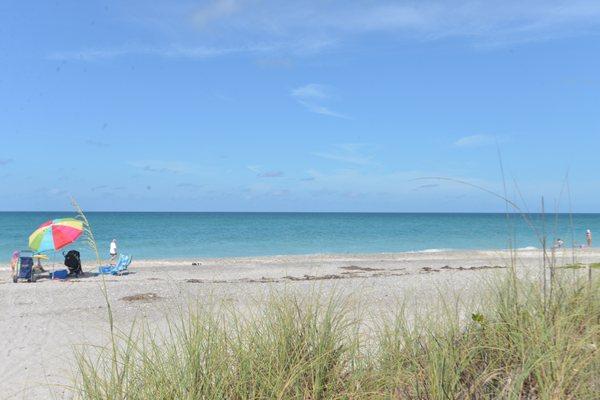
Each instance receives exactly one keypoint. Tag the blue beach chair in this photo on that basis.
(24, 267)
(118, 269)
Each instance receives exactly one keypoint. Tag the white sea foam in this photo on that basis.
(528, 248)
(432, 250)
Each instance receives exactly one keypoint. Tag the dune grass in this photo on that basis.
(515, 344)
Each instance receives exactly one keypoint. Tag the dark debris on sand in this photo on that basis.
(448, 268)
(141, 297)
(357, 268)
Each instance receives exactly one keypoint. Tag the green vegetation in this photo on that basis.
(580, 265)
(517, 344)
(573, 266)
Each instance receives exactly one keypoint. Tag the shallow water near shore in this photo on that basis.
(168, 235)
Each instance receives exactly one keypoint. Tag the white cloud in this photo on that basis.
(312, 96)
(475, 141)
(311, 91)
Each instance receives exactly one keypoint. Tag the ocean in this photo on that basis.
(171, 235)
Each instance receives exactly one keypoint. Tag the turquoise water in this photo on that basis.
(188, 235)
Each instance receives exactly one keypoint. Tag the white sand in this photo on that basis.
(41, 322)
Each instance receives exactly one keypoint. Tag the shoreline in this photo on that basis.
(451, 253)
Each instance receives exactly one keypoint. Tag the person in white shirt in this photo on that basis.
(588, 237)
(113, 250)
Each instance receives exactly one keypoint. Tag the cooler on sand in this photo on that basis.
(60, 274)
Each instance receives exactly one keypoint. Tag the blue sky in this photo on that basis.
(247, 105)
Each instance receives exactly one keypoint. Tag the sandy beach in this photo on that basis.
(42, 322)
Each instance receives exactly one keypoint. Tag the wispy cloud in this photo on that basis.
(352, 153)
(161, 167)
(354, 182)
(261, 173)
(281, 193)
(150, 168)
(96, 143)
(271, 174)
(475, 141)
(57, 192)
(254, 168)
(189, 185)
(226, 27)
(427, 19)
(319, 109)
(215, 11)
(312, 97)
(312, 91)
(167, 51)
(264, 190)
(476, 20)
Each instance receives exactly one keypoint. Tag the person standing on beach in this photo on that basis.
(113, 251)
(14, 261)
(588, 237)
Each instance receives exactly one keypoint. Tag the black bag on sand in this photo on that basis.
(73, 262)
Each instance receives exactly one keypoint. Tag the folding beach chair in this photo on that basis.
(118, 269)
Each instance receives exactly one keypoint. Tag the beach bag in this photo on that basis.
(73, 262)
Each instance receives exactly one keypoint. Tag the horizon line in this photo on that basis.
(302, 212)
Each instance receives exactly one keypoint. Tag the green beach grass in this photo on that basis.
(516, 343)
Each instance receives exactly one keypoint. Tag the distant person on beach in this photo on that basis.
(559, 243)
(113, 250)
(14, 261)
(588, 237)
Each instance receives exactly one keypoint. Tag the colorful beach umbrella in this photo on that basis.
(55, 234)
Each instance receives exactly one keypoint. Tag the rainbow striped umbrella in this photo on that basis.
(55, 234)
